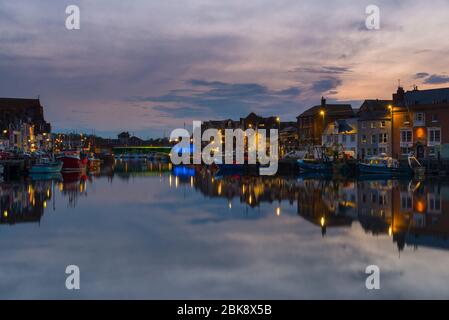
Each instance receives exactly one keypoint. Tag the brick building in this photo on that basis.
(312, 122)
(420, 122)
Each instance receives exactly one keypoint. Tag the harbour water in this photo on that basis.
(148, 230)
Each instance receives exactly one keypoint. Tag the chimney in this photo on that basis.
(398, 97)
(323, 102)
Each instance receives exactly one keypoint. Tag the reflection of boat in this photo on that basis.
(46, 176)
(229, 169)
(46, 166)
(385, 165)
(94, 163)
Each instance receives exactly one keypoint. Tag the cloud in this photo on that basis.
(437, 79)
(206, 99)
(322, 70)
(421, 75)
(326, 84)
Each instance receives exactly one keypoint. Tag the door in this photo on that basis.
(420, 151)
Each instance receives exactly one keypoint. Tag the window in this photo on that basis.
(352, 137)
(343, 138)
(434, 135)
(363, 125)
(406, 201)
(373, 125)
(374, 151)
(434, 203)
(435, 117)
(328, 139)
(363, 138)
(383, 138)
(382, 124)
(419, 119)
(406, 135)
(369, 152)
(405, 150)
(373, 139)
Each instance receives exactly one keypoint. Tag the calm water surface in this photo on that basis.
(144, 230)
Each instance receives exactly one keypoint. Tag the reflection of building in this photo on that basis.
(375, 205)
(22, 202)
(421, 214)
(312, 122)
(249, 190)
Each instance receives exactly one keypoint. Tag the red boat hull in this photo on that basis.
(71, 164)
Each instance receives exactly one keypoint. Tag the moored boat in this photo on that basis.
(312, 165)
(72, 161)
(384, 165)
(45, 165)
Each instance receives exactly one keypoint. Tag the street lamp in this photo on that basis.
(322, 113)
(390, 107)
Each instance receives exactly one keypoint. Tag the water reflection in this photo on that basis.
(412, 213)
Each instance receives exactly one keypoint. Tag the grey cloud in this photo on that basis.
(323, 70)
(326, 84)
(421, 75)
(437, 79)
(221, 99)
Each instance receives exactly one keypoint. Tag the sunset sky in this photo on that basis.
(150, 66)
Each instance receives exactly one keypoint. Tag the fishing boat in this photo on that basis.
(314, 165)
(45, 165)
(72, 161)
(384, 165)
(315, 161)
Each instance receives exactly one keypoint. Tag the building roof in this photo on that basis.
(342, 126)
(431, 96)
(329, 109)
(374, 109)
(19, 103)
